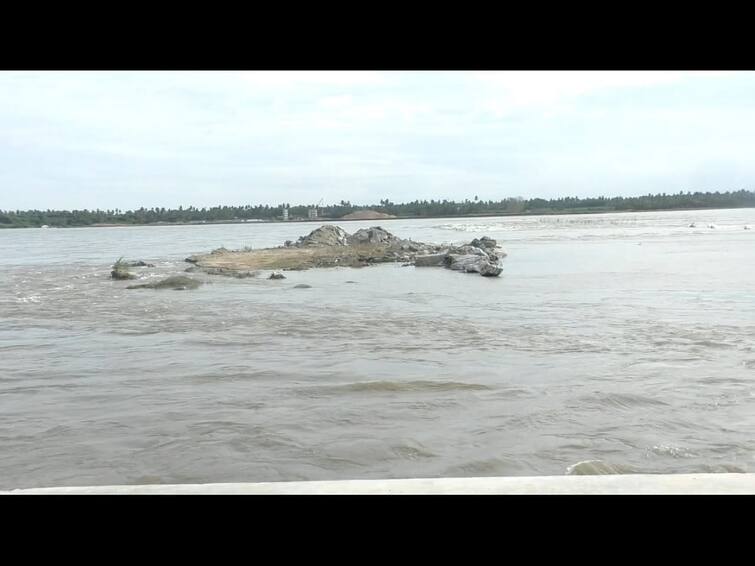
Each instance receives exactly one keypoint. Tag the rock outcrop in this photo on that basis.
(479, 256)
(176, 283)
(484, 243)
(327, 235)
(473, 263)
(374, 235)
(331, 246)
(431, 260)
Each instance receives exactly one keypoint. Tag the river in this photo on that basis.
(627, 340)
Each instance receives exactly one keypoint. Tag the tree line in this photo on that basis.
(415, 209)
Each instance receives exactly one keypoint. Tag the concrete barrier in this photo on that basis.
(644, 484)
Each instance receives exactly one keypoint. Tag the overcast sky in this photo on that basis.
(129, 139)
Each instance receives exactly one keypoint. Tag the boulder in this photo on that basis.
(327, 235)
(487, 269)
(484, 242)
(460, 262)
(418, 247)
(302, 286)
(472, 263)
(433, 260)
(277, 275)
(484, 245)
(375, 236)
(469, 250)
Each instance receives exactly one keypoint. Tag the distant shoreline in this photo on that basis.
(430, 217)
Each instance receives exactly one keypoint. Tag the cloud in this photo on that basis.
(329, 79)
(507, 92)
(404, 135)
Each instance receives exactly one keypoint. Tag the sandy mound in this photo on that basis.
(331, 246)
(366, 215)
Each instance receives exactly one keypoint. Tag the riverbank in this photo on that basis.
(333, 219)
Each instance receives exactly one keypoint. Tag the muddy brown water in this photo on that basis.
(622, 339)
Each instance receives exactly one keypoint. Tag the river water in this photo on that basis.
(626, 340)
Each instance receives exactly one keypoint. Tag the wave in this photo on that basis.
(474, 227)
(413, 451)
(622, 400)
(673, 451)
(397, 386)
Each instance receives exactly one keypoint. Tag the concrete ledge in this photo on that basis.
(645, 484)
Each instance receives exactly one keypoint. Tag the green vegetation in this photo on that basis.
(423, 208)
(120, 270)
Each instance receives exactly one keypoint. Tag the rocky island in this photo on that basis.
(331, 246)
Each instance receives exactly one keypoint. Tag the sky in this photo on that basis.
(75, 140)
